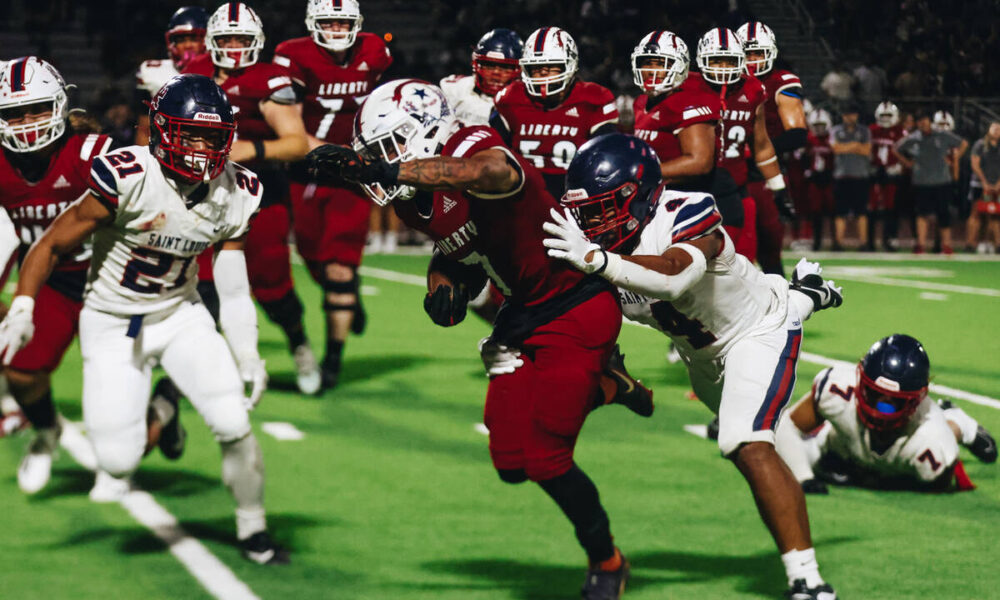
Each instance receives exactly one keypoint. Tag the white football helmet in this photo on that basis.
(887, 114)
(25, 81)
(943, 121)
(672, 50)
(402, 120)
(234, 18)
(549, 46)
(758, 37)
(324, 10)
(819, 121)
(721, 43)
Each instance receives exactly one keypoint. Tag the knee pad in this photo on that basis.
(350, 286)
(512, 475)
(119, 457)
(286, 311)
(226, 417)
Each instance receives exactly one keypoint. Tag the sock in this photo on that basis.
(243, 474)
(577, 496)
(801, 564)
(41, 412)
(803, 304)
(966, 424)
(334, 350)
(286, 312)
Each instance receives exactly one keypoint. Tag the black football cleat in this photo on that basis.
(605, 585)
(330, 374)
(806, 279)
(984, 447)
(360, 320)
(800, 591)
(173, 435)
(712, 429)
(630, 392)
(263, 550)
(815, 487)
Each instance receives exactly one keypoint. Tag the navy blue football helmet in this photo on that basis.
(188, 20)
(191, 127)
(610, 188)
(892, 381)
(496, 60)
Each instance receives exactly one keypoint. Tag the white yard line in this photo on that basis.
(920, 285)
(210, 572)
(806, 356)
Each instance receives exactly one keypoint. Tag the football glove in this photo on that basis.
(499, 359)
(446, 305)
(571, 245)
(254, 377)
(17, 327)
(332, 164)
(786, 208)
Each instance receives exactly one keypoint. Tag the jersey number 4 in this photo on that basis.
(677, 323)
(149, 271)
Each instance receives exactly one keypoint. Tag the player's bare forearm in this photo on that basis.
(763, 149)
(675, 260)
(288, 148)
(485, 174)
(67, 232)
(286, 121)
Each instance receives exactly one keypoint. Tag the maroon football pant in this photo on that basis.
(55, 318)
(535, 414)
(267, 254)
(331, 223)
(745, 238)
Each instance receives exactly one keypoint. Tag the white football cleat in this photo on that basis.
(308, 376)
(77, 444)
(806, 279)
(108, 488)
(36, 467)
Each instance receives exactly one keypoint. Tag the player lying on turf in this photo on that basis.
(873, 425)
(737, 329)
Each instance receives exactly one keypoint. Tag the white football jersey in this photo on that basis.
(145, 260)
(924, 449)
(152, 74)
(470, 106)
(733, 298)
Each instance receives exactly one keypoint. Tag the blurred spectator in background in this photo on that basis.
(984, 191)
(926, 152)
(838, 84)
(852, 148)
(872, 83)
(116, 117)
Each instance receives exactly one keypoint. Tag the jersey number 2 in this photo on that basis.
(149, 271)
(119, 160)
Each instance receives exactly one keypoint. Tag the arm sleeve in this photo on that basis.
(649, 283)
(789, 140)
(237, 315)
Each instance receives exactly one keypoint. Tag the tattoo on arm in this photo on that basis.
(450, 173)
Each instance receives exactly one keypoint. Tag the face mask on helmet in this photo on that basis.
(33, 105)
(334, 25)
(882, 406)
(606, 218)
(184, 46)
(549, 62)
(720, 57)
(195, 150)
(235, 36)
(819, 122)
(496, 60)
(759, 47)
(659, 62)
(887, 115)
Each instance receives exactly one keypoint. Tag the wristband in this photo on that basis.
(605, 265)
(258, 148)
(776, 183)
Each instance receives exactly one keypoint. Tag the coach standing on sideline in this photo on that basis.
(852, 146)
(984, 187)
(925, 151)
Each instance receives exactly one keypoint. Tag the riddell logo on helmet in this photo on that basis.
(887, 384)
(208, 117)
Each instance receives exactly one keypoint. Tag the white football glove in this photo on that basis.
(17, 327)
(571, 245)
(499, 359)
(254, 377)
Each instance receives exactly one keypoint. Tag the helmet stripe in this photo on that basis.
(656, 40)
(540, 40)
(752, 31)
(723, 39)
(234, 12)
(337, 4)
(17, 75)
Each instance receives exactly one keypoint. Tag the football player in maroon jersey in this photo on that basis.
(270, 132)
(886, 131)
(44, 168)
(678, 123)
(785, 118)
(336, 66)
(818, 158)
(550, 113)
(485, 215)
(721, 62)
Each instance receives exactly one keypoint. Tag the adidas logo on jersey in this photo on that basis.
(363, 66)
(235, 90)
(743, 98)
(61, 183)
(573, 112)
(448, 204)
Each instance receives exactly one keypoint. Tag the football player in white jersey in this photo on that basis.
(152, 211)
(872, 424)
(495, 63)
(185, 40)
(737, 329)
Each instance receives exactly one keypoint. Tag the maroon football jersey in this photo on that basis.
(33, 206)
(739, 107)
(818, 160)
(883, 140)
(502, 233)
(548, 137)
(660, 123)
(333, 91)
(246, 89)
(775, 82)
